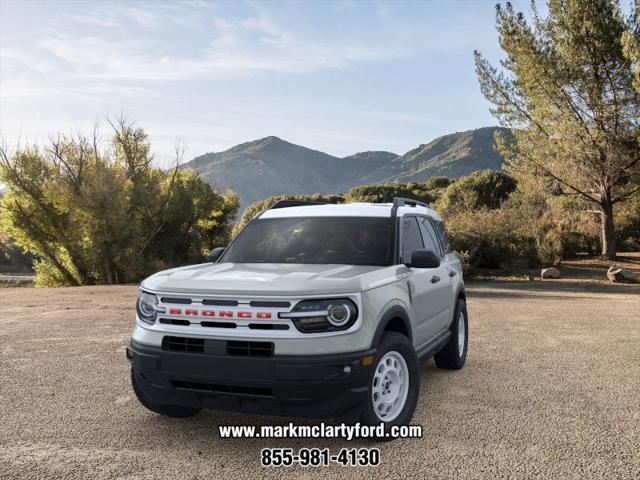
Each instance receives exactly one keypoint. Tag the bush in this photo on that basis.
(92, 216)
(385, 193)
(482, 189)
(435, 183)
(488, 237)
(13, 259)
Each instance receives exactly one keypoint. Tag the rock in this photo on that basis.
(621, 275)
(630, 245)
(551, 272)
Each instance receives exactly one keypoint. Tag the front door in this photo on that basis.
(427, 286)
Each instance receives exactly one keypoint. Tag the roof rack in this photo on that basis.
(402, 202)
(295, 203)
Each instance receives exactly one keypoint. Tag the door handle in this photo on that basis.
(435, 279)
(452, 273)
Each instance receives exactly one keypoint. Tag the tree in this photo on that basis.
(631, 41)
(566, 89)
(481, 189)
(93, 215)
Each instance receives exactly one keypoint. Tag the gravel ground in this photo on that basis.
(551, 389)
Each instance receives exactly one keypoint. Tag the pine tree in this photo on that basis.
(566, 89)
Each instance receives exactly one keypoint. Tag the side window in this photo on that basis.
(411, 238)
(430, 238)
(444, 239)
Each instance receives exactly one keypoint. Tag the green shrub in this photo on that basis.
(385, 193)
(482, 189)
(92, 216)
(489, 238)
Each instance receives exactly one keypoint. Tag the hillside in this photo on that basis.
(272, 166)
(269, 166)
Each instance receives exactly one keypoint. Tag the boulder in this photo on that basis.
(630, 245)
(621, 275)
(551, 272)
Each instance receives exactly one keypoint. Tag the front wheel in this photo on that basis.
(454, 354)
(395, 383)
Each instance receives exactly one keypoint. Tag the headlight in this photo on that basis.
(147, 307)
(311, 316)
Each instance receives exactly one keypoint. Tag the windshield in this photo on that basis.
(341, 240)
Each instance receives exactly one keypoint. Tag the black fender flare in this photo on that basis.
(462, 295)
(395, 311)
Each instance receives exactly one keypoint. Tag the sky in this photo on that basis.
(340, 77)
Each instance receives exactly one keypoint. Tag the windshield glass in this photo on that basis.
(341, 240)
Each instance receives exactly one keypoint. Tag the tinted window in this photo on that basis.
(411, 238)
(429, 236)
(444, 239)
(341, 240)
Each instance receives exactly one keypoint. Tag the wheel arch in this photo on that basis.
(396, 319)
(460, 295)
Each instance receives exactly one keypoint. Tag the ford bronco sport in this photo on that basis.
(315, 310)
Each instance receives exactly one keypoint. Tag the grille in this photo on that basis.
(215, 388)
(174, 321)
(183, 344)
(218, 324)
(218, 347)
(256, 303)
(249, 349)
(268, 326)
(179, 301)
(222, 303)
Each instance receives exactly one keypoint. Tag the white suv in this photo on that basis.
(315, 310)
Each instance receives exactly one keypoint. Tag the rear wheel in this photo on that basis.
(454, 354)
(395, 383)
(175, 411)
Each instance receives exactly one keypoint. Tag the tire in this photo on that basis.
(454, 354)
(395, 354)
(174, 411)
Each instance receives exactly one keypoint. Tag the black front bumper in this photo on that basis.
(320, 386)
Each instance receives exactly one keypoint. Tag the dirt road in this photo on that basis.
(551, 389)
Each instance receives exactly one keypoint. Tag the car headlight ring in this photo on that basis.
(148, 307)
(316, 316)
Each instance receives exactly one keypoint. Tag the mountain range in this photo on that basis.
(272, 166)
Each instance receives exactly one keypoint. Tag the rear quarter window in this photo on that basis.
(442, 233)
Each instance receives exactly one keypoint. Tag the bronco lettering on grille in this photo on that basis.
(192, 312)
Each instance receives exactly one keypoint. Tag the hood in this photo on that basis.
(267, 279)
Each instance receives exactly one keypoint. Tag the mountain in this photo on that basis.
(453, 155)
(272, 166)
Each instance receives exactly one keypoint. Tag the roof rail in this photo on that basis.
(402, 202)
(295, 203)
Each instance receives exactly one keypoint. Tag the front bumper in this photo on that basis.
(319, 386)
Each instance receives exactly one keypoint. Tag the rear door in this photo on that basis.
(442, 291)
(423, 284)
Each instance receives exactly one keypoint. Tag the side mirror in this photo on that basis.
(424, 259)
(216, 253)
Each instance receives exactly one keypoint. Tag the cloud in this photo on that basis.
(234, 46)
